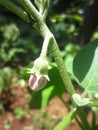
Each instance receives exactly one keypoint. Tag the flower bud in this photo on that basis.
(39, 74)
(37, 82)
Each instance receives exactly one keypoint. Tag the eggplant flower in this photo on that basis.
(39, 74)
(37, 82)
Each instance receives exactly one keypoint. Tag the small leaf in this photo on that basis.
(85, 67)
(79, 101)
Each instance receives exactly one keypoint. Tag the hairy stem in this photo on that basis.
(31, 9)
(54, 49)
(83, 118)
(45, 45)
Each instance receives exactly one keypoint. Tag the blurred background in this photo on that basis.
(74, 24)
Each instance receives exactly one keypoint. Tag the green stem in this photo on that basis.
(46, 9)
(9, 5)
(84, 94)
(65, 103)
(40, 26)
(31, 9)
(81, 125)
(66, 120)
(83, 118)
(54, 49)
(93, 119)
(45, 45)
(65, 77)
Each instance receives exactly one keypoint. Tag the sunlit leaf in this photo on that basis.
(85, 67)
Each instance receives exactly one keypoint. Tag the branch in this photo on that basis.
(19, 12)
(31, 9)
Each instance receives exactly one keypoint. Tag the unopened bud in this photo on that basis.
(39, 74)
(37, 82)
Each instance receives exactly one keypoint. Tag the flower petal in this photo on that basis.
(32, 80)
(40, 83)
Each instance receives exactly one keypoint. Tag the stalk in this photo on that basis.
(19, 12)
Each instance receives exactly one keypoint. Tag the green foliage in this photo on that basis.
(85, 67)
(15, 46)
(8, 49)
(5, 77)
(10, 78)
(20, 112)
(41, 119)
(1, 84)
(1, 107)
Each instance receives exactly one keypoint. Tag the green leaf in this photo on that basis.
(45, 96)
(69, 63)
(19, 112)
(66, 120)
(85, 67)
(80, 101)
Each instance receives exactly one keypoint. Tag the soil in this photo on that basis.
(33, 119)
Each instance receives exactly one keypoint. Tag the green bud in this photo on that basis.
(40, 66)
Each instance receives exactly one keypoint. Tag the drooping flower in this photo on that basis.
(39, 74)
(37, 82)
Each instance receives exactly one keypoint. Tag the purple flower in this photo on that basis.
(37, 82)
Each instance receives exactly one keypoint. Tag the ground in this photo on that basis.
(35, 119)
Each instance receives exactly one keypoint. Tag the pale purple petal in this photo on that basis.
(32, 80)
(40, 83)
